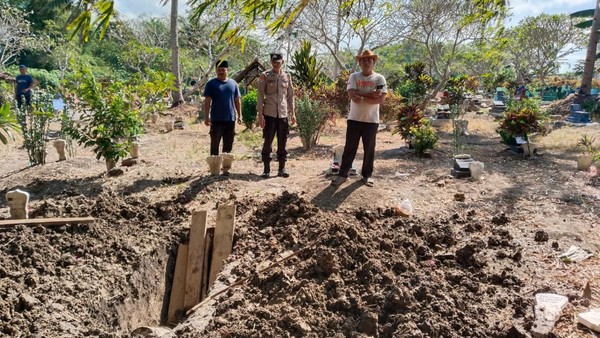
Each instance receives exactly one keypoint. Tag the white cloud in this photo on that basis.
(133, 8)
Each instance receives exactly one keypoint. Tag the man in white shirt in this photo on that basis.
(366, 90)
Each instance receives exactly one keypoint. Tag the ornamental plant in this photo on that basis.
(409, 116)
(416, 84)
(586, 144)
(424, 138)
(522, 118)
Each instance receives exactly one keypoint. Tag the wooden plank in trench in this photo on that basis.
(223, 241)
(195, 259)
(208, 246)
(178, 285)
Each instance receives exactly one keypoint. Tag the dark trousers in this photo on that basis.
(281, 128)
(221, 130)
(354, 133)
(27, 99)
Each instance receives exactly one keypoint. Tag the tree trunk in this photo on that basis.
(590, 58)
(177, 95)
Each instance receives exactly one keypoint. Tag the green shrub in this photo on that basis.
(112, 120)
(46, 79)
(249, 113)
(424, 138)
(311, 118)
(35, 121)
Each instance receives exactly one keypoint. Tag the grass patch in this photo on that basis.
(251, 139)
(565, 139)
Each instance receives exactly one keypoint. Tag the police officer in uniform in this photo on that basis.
(275, 108)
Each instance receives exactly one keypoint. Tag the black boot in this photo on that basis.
(281, 172)
(267, 170)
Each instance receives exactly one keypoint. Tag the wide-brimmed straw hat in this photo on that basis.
(367, 54)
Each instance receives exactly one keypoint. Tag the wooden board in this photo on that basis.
(195, 259)
(208, 246)
(223, 241)
(47, 221)
(178, 285)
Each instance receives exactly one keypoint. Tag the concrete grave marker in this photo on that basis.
(169, 126)
(18, 202)
(476, 169)
(135, 150)
(60, 148)
(461, 166)
(590, 319)
(548, 308)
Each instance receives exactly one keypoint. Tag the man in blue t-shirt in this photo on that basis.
(24, 85)
(221, 105)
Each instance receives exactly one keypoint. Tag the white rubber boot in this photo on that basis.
(227, 162)
(214, 164)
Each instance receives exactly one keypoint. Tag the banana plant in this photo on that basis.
(8, 124)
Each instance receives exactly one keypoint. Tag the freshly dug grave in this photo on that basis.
(369, 272)
(95, 280)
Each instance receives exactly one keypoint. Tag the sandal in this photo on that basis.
(339, 180)
(368, 181)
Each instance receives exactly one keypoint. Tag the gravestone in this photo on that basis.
(579, 117)
(179, 124)
(443, 112)
(18, 202)
(461, 166)
(497, 109)
(336, 161)
(548, 308)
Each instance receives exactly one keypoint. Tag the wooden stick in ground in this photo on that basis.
(195, 259)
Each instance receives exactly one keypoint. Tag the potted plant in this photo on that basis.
(586, 158)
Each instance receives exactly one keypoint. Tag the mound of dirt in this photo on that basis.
(90, 279)
(369, 273)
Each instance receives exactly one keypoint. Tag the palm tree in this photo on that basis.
(177, 94)
(590, 57)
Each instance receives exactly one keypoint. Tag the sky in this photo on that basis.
(519, 10)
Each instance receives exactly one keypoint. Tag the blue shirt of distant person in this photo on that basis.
(24, 85)
(222, 103)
